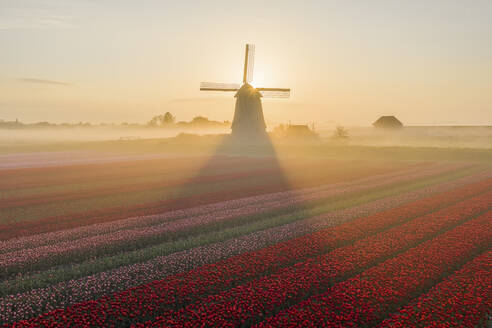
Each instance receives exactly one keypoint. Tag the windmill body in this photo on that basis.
(248, 114)
(248, 123)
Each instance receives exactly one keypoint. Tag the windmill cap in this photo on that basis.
(247, 90)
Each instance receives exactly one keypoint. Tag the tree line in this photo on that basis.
(166, 120)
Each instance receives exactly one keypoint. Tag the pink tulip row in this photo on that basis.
(175, 291)
(249, 303)
(64, 294)
(462, 300)
(57, 252)
(368, 298)
(247, 205)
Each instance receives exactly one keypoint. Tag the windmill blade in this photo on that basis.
(249, 63)
(212, 86)
(274, 92)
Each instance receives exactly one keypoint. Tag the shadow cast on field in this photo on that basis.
(234, 169)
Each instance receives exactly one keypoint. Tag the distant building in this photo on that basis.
(388, 122)
(300, 131)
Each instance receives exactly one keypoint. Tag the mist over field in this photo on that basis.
(421, 136)
(424, 136)
(50, 135)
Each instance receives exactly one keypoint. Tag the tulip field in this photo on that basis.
(232, 241)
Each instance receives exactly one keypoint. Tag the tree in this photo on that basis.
(340, 133)
(159, 120)
(169, 118)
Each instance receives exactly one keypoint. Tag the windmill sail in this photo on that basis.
(274, 92)
(249, 63)
(212, 86)
(248, 123)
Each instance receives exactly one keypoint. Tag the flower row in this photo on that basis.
(231, 173)
(180, 290)
(246, 205)
(39, 177)
(371, 296)
(130, 239)
(63, 214)
(462, 300)
(66, 293)
(249, 303)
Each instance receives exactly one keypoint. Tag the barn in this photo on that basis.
(388, 122)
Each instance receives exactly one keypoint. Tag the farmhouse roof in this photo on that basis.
(387, 122)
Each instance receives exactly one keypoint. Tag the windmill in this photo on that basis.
(248, 122)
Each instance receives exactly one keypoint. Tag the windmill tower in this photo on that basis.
(248, 123)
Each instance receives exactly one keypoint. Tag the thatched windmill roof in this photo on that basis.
(388, 122)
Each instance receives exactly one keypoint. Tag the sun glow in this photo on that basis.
(259, 79)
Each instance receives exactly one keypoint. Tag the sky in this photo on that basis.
(347, 62)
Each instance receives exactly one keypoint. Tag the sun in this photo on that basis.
(259, 79)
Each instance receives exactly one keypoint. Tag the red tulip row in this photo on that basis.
(232, 208)
(462, 300)
(34, 302)
(83, 217)
(63, 196)
(249, 303)
(180, 290)
(244, 187)
(36, 177)
(369, 297)
(73, 249)
(69, 221)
